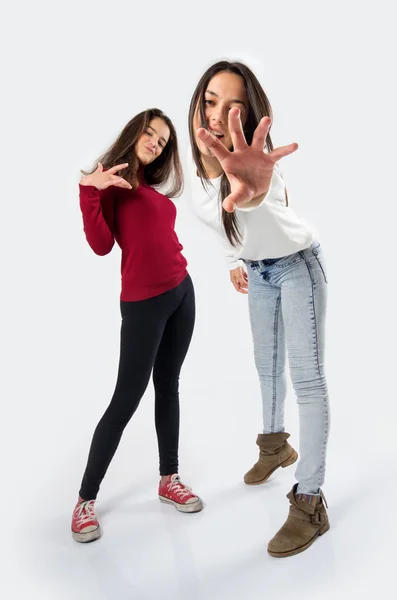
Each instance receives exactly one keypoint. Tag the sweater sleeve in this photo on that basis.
(97, 207)
(230, 252)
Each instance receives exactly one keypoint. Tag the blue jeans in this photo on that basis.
(287, 303)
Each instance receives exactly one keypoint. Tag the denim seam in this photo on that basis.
(275, 355)
(322, 467)
(320, 265)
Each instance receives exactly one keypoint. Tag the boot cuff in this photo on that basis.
(272, 442)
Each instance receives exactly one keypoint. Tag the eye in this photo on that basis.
(148, 133)
(209, 102)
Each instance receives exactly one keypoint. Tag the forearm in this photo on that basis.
(99, 235)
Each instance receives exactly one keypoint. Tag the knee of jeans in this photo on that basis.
(309, 390)
(267, 372)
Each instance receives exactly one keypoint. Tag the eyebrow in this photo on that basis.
(234, 100)
(153, 129)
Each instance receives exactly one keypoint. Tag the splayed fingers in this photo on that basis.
(282, 151)
(260, 134)
(236, 130)
(216, 147)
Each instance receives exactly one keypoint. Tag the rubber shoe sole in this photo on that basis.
(89, 536)
(321, 531)
(186, 508)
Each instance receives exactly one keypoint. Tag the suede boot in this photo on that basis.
(274, 452)
(305, 522)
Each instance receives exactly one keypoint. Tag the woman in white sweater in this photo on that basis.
(237, 190)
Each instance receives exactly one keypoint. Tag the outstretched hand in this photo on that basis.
(103, 179)
(248, 168)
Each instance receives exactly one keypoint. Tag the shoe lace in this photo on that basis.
(179, 488)
(85, 512)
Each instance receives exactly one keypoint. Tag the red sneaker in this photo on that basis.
(176, 493)
(85, 526)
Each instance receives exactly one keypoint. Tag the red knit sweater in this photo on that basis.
(142, 223)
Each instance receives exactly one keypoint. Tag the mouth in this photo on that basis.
(149, 150)
(217, 134)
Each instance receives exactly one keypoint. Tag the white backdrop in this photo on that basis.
(73, 75)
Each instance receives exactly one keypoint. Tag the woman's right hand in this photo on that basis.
(239, 279)
(248, 168)
(103, 179)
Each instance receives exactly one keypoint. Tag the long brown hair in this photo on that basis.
(259, 106)
(165, 169)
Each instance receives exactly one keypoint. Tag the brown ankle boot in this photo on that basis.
(305, 522)
(274, 452)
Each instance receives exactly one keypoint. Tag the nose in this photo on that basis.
(216, 117)
(218, 114)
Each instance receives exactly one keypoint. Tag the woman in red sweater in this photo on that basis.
(119, 202)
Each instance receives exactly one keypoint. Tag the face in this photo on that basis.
(224, 91)
(152, 141)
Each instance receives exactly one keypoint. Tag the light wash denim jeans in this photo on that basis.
(287, 303)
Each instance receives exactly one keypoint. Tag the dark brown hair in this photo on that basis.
(165, 169)
(259, 106)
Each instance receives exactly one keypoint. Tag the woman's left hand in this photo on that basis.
(248, 168)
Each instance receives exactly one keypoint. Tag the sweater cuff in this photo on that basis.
(89, 192)
(234, 264)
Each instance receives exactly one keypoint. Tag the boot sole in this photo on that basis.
(321, 531)
(85, 538)
(186, 508)
(290, 461)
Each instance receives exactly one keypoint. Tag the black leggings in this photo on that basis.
(155, 334)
